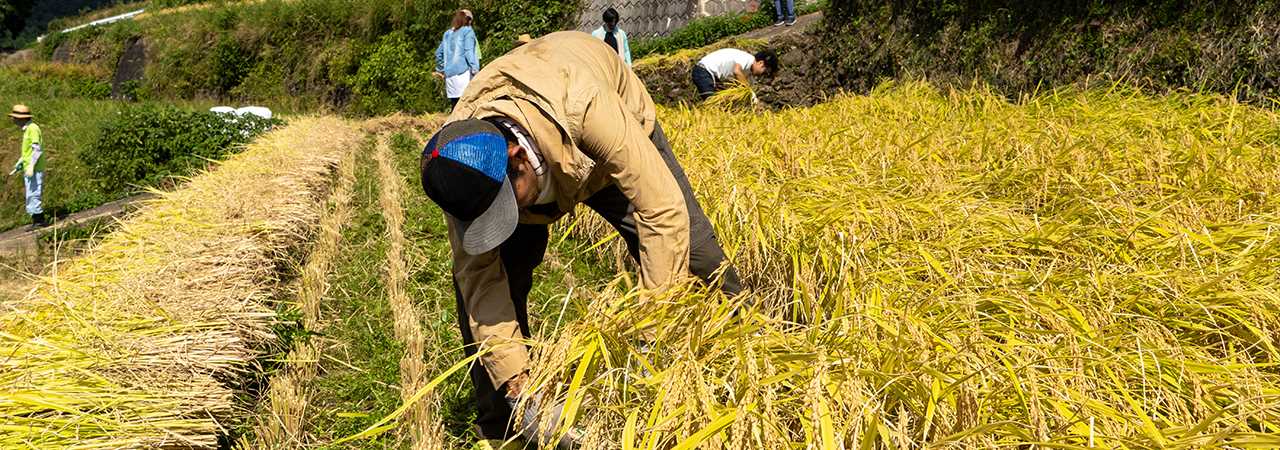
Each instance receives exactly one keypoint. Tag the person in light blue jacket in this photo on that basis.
(458, 56)
(614, 36)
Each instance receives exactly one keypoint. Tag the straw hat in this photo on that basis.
(523, 39)
(20, 112)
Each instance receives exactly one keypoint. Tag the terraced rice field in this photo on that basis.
(925, 268)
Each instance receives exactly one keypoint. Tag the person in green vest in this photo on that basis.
(30, 163)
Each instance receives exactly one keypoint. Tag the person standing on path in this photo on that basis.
(785, 17)
(558, 122)
(713, 70)
(614, 36)
(30, 163)
(458, 56)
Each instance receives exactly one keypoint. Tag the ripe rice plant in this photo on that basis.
(736, 95)
(949, 269)
(134, 343)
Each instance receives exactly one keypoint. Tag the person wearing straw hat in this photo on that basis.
(558, 122)
(458, 56)
(30, 162)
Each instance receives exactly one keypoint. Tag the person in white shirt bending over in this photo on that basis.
(710, 74)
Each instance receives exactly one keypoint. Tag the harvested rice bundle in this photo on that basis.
(132, 344)
(735, 96)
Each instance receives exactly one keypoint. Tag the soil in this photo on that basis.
(24, 239)
(19, 56)
(803, 78)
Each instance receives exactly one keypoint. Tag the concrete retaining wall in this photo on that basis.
(647, 18)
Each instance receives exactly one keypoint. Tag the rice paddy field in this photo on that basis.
(926, 268)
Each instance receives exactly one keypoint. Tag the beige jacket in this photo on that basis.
(591, 118)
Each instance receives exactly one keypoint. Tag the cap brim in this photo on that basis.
(495, 225)
(19, 116)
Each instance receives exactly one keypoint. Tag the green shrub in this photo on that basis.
(46, 80)
(174, 3)
(394, 77)
(702, 32)
(231, 63)
(500, 22)
(311, 53)
(145, 145)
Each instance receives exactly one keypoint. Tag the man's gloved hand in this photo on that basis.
(754, 100)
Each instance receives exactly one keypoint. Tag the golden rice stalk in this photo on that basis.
(127, 345)
(736, 96)
(282, 424)
(952, 270)
(687, 57)
(422, 424)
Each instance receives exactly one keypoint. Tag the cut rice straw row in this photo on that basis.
(131, 344)
(952, 270)
(282, 424)
(424, 428)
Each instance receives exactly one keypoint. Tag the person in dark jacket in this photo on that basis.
(614, 36)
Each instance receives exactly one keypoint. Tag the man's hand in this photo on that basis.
(515, 386)
(16, 167)
(437, 75)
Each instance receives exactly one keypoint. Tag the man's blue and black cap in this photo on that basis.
(464, 170)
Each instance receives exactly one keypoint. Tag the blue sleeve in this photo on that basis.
(440, 54)
(472, 50)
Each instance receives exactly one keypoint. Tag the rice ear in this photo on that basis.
(945, 268)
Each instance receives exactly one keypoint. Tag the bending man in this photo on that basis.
(554, 123)
(714, 70)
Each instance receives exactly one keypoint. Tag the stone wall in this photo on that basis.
(641, 18)
(718, 7)
(647, 18)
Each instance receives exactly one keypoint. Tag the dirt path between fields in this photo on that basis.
(24, 238)
(803, 23)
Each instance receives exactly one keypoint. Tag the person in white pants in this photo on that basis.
(458, 56)
(30, 163)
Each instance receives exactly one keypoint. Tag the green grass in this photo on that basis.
(71, 112)
(69, 125)
(358, 385)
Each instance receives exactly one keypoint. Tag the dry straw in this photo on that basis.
(282, 424)
(951, 270)
(421, 422)
(132, 344)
